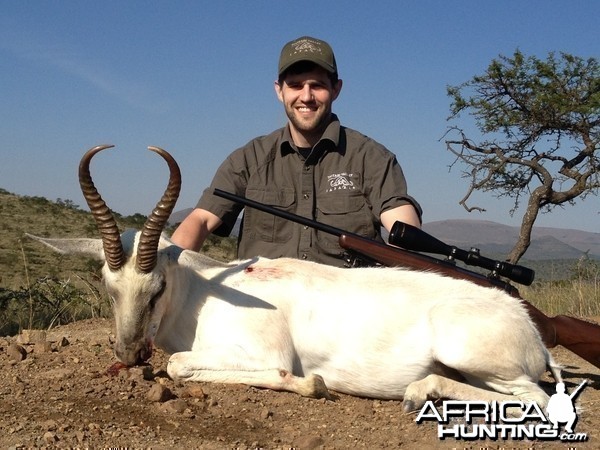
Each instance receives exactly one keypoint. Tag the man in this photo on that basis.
(312, 167)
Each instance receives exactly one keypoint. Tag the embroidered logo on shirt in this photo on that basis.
(340, 181)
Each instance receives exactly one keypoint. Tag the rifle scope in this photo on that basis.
(412, 238)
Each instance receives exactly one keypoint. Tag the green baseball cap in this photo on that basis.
(307, 48)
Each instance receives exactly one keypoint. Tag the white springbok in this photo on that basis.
(298, 326)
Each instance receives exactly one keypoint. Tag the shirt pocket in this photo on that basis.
(348, 212)
(268, 227)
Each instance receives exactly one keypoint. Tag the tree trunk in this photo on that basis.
(533, 209)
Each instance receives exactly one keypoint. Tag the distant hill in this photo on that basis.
(498, 239)
(178, 216)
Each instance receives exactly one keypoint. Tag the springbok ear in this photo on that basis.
(90, 247)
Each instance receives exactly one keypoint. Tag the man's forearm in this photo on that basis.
(194, 229)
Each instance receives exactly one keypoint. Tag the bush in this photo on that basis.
(48, 302)
(586, 269)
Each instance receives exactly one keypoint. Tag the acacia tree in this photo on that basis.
(540, 123)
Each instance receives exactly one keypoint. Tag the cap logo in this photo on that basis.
(306, 46)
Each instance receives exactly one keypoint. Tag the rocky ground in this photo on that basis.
(55, 392)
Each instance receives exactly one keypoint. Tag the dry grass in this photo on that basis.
(578, 297)
(578, 294)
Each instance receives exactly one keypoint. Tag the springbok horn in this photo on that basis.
(111, 240)
(148, 245)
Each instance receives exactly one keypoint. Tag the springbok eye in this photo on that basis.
(156, 296)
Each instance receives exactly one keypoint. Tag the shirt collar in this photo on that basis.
(329, 140)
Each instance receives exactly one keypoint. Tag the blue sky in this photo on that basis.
(196, 78)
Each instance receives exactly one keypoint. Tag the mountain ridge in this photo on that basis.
(495, 238)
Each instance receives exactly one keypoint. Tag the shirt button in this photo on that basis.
(304, 256)
(306, 196)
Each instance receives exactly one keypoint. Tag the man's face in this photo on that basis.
(307, 99)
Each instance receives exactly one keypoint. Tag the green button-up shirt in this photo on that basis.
(346, 181)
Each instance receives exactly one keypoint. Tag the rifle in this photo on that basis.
(578, 336)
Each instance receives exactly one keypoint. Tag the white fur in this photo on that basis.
(287, 324)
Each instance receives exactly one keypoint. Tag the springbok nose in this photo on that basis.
(133, 354)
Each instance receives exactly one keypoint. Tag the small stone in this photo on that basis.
(16, 352)
(159, 393)
(50, 438)
(265, 413)
(175, 406)
(141, 373)
(251, 424)
(64, 428)
(31, 337)
(194, 391)
(94, 429)
(308, 442)
(42, 347)
(50, 425)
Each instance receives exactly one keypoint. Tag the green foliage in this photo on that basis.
(540, 121)
(69, 204)
(136, 221)
(48, 302)
(220, 248)
(528, 97)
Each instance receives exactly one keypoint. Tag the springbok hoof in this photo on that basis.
(409, 406)
(320, 388)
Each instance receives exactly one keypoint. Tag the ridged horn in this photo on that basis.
(111, 240)
(148, 245)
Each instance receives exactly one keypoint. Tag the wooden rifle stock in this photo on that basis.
(578, 336)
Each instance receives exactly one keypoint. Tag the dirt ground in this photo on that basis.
(59, 395)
